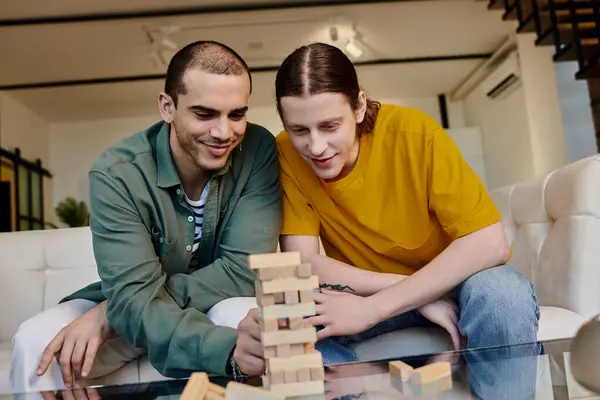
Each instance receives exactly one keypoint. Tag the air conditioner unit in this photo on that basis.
(502, 78)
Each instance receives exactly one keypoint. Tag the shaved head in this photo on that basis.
(209, 56)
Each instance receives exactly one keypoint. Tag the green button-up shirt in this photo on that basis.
(143, 235)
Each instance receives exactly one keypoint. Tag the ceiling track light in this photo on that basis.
(353, 49)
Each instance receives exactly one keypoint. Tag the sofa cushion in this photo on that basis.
(555, 323)
(558, 323)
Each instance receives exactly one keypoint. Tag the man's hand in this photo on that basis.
(248, 352)
(77, 394)
(341, 314)
(445, 314)
(78, 343)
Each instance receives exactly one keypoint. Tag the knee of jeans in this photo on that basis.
(504, 290)
(230, 312)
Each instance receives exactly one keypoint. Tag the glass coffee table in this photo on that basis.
(530, 371)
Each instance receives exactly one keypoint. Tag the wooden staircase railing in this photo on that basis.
(572, 27)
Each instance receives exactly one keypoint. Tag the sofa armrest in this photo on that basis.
(553, 225)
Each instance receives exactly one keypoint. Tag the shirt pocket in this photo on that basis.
(162, 245)
(416, 252)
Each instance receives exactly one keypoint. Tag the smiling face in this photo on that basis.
(322, 129)
(209, 120)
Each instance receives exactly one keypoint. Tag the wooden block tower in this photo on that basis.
(285, 294)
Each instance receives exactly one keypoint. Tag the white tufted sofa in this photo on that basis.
(553, 224)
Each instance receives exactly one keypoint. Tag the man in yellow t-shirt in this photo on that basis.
(410, 234)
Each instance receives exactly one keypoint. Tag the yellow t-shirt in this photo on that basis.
(409, 195)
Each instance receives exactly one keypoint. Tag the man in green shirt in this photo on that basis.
(175, 211)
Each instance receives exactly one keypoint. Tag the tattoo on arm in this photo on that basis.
(335, 287)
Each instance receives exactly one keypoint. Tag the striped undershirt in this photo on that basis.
(197, 207)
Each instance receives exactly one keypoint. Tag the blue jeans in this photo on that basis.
(498, 306)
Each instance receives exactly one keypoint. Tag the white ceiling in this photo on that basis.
(121, 48)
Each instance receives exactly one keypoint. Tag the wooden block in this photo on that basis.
(304, 270)
(270, 351)
(307, 296)
(289, 284)
(269, 324)
(303, 374)
(270, 273)
(262, 299)
(309, 347)
(299, 388)
(268, 260)
(196, 387)
(309, 360)
(276, 377)
(289, 337)
(317, 373)
(239, 391)
(289, 311)
(216, 389)
(291, 297)
(430, 373)
(266, 300)
(290, 376)
(297, 349)
(295, 323)
(284, 350)
(400, 370)
(214, 396)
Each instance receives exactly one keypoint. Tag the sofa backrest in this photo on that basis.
(38, 268)
(553, 225)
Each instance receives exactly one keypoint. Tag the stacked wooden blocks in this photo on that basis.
(285, 295)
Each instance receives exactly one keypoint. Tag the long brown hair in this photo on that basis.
(322, 68)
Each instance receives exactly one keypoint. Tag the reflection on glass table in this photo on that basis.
(529, 371)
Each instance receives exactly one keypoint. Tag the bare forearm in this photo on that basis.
(337, 275)
(463, 258)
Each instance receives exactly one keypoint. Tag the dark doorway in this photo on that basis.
(5, 207)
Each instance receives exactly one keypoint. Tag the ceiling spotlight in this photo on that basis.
(353, 49)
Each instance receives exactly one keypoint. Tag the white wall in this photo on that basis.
(504, 134)
(577, 117)
(523, 130)
(75, 145)
(20, 127)
(543, 106)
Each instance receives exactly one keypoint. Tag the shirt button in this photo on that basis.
(188, 247)
(191, 219)
(178, 191)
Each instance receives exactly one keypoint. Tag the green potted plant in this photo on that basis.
(73, 213)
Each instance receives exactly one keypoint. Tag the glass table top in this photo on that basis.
(529, 371)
